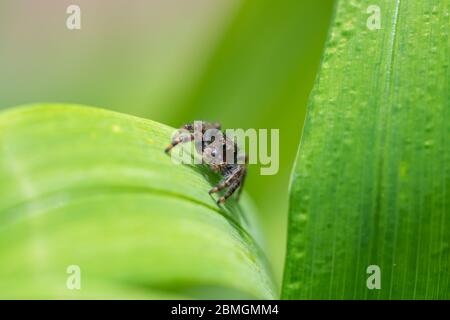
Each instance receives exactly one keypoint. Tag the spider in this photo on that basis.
(221, 154)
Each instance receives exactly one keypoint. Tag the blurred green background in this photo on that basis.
(247, 64)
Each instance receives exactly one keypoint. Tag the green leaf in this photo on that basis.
(93, 188)
(371, 185)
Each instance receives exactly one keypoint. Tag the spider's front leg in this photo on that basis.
(233, 187)
(184, 134)
(187, 133)
(233, 182)
(222, 184)
(243, 161)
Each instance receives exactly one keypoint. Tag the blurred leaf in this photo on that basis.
(372, 179)
(93, 188)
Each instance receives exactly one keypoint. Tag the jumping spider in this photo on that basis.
(221, 155)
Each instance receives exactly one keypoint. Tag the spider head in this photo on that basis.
(212, 154)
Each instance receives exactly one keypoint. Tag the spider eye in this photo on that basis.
(214, 152)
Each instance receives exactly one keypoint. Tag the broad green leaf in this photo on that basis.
(371, 185)
(93, 188)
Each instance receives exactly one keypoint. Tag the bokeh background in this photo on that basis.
(245, 63)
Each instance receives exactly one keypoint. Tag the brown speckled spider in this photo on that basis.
(219, 152)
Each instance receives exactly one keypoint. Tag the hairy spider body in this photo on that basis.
(219, 152)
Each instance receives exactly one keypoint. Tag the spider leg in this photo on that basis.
(177, 140)
(243, 174)
(241, 184)
(180, 138)
(222, 184)
(229, 192)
